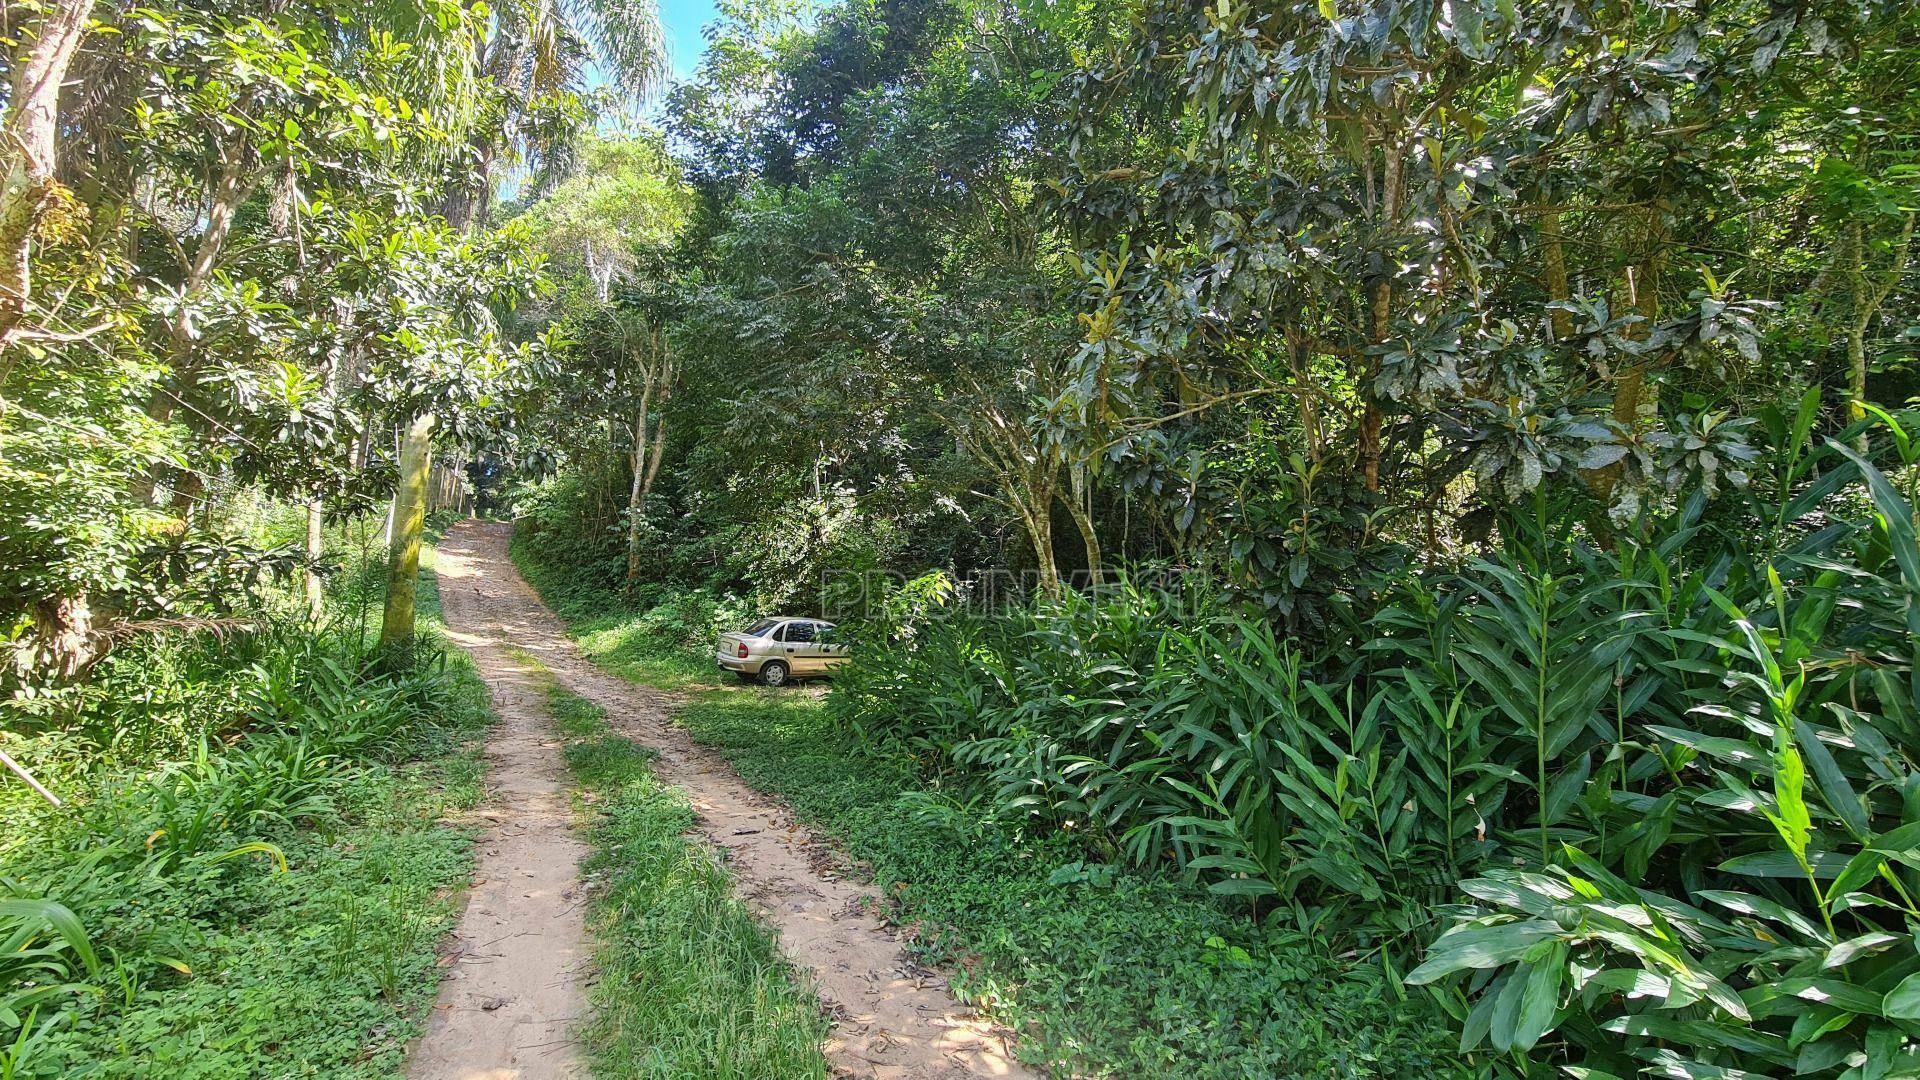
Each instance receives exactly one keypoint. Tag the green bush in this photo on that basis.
(1661, 789)
(691, 618)
(568, 519)
(1104, 972)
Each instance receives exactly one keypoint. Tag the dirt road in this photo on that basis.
(508, 1001)
(895, 1021)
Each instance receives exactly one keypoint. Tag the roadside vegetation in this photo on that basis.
(1429, 487)
(252, 861)
(253, 292)
(1103, 969)
(686, 983)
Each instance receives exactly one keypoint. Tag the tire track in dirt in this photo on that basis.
(894, 1020)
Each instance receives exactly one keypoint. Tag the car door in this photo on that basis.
(831, 646)
(799, 647)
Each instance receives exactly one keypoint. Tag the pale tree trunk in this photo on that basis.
(1031, 491)
(1039, 523)
(1026, 468)
(386, 523)
(1307, 393)
(1080, 505)
(656, 373)
(409, 517)
(1868, 291)
(62, 644)
(654, 456)
(637, 492)
(229, 191)
(1859, 319)
(316, 600)
(1632, 392)
(1553, 258)
(1380, 313)
(28, 148)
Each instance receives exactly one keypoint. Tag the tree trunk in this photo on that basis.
(658, 452)
(189, 492)
(316, 600)
(637, 490)
(62, 643)
(1306, 394)
(1080, 506)
(1553, 258)
(1380, 315)
(408, 517)
(229, 191)
(1039, 522)
(28, 149)
(470, 201)
(656, 373)
(1867, 294)
(1632, 393)
(1380, 320)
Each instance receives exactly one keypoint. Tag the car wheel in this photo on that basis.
(773, 673)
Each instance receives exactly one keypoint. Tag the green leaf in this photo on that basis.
(1477, 946)
(1903, 1001)
(1854, 948)
(64, 922)
(1834, 992)
(1541, 999)
(1782, 864)
(1834, 787)
(1732, 751)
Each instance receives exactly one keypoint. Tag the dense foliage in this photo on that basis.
(248, 265)
(1635, 778)
(148, 918)
(1102, 971)
(1437, 478)
(1457, 456)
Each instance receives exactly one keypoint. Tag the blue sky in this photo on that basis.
(683, 20)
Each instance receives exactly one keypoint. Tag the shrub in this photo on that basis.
(1670, 776)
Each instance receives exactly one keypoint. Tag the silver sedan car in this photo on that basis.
(778, 651)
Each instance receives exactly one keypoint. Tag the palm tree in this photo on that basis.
(537, 59)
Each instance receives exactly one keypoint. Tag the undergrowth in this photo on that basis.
(667, 646)
(687, 983)
(255, 885)
(1105, 971)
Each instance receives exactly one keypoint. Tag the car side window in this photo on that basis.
(799, 631)
(778, 633)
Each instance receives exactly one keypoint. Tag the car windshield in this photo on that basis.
(761, 628)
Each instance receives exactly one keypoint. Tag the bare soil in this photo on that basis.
(894, 1020)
